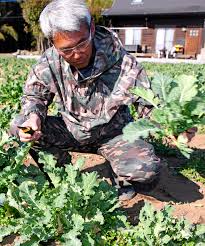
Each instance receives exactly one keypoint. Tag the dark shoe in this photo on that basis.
(146, 187)
(126, 193)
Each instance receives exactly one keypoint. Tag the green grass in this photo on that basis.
(194, 168)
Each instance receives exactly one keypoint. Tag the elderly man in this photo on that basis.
(90, 74)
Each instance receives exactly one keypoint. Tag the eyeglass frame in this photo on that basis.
(75, 48)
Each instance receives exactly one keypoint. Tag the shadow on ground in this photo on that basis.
(173, 188)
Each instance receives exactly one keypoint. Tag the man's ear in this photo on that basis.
(92, 27)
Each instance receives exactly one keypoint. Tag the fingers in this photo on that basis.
(33, 123)
(26, 137)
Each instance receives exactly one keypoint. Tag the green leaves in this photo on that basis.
(161, 86)
(89, 181)
(158, 228)
(13, 74)
(140, 128)
(72, 207)
(146, 94)
(178, 105)
(188, 88)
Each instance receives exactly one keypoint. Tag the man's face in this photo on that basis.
(75, 47)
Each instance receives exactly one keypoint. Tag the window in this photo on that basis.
(164, 39)
(133, 36)
(136, 2)
(194, 33)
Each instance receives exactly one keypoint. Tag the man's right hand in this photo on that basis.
(34, 122)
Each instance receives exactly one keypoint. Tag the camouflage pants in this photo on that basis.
(129, 161)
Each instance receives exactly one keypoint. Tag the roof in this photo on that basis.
(155, 7)
(8, 1)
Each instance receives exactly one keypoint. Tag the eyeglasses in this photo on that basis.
(79, 47)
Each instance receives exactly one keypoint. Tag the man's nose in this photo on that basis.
(76, 55)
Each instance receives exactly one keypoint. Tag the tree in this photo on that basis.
(6, 30)
(31, 12)
(32, 8)
(96, 7)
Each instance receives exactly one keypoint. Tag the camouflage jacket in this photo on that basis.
(93, 108)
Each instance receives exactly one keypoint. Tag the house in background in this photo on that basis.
(151, 26)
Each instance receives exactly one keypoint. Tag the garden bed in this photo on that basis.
(186, 196)
(182, 182)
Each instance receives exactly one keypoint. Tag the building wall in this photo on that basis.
(180, 23)
(121, 35)
(148, 39)
(190, 38)
(180, 36)
(193, 41)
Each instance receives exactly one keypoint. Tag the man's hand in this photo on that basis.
(34, 123)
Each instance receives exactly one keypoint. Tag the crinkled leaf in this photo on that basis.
(71, 238)
(4, 138)
(71, 174)
(6, 231)
(79, 163)
(61, 199)
(200, 230)
(188, 87)
(139, 129)
(182, 146)
(78, 222)
(89, 182)
(99, 217)
(47, 159)
(166, 239)
(2, 199)
(54, 173)
(28, 193)
(146, 94)
(161, 85)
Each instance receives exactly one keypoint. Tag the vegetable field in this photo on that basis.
(73, 207)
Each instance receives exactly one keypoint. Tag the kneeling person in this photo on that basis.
(90, 74)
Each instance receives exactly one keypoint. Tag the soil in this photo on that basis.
(186, 196)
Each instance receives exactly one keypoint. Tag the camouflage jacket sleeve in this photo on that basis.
(37, 94)
(143, 107)
(132, 75)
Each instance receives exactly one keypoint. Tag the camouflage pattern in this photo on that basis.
(93, 110)
(129, 161)
(88, 105)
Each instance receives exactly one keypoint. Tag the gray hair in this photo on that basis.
(64, 15)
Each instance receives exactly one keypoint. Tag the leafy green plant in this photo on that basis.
(13, 74)
(72, 207)
(194, 168)
(11, 159)
(177, 106)
(159, 228)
